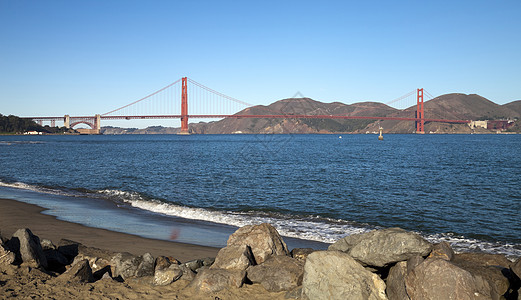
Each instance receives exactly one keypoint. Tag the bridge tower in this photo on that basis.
(67, 121)
(184, 107)
(420, 122)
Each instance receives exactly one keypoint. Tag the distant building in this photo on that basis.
(33, 132)
(478, 124)
(500, 124)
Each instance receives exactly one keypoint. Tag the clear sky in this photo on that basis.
(88, 57)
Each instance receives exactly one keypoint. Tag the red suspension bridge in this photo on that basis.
(207, 103)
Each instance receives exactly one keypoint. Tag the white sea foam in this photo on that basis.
(312, 228)
(309, 228)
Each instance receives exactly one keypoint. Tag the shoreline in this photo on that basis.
(15, 215)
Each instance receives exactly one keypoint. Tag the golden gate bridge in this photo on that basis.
(171, 102)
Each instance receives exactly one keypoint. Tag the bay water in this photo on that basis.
(315, 189)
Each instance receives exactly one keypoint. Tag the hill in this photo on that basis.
(297, 106)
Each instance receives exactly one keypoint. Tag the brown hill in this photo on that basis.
(452, 107)
(297, 106)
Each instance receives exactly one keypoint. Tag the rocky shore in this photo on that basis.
(257, 264)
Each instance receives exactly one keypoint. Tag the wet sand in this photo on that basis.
(15, 215)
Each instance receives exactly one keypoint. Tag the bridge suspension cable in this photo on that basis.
(144, 98)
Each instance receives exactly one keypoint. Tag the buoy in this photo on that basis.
(340, 137)
(380, 137)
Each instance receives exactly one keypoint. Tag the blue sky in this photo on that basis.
(88, 57)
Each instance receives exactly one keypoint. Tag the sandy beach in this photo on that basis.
(15, 215)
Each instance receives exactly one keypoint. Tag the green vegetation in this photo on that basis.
(16, 125)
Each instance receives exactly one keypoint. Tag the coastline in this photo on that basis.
(15, 215)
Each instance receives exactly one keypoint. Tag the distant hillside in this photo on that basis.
(297, 106)
(149, 130)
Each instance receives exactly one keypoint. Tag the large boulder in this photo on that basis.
(396, 282)
(234, 257)
(516, 267)
(214, 280)
(27, 245)
(380, 248)
(436, 278)
(80, 271)
(493, 268)
(127, 265)
(278, 273)
(336, 275)
(263, 239)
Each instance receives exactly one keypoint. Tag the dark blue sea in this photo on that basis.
(315, 189)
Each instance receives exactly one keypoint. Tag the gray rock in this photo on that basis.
(493, 268)
(79, 272)
(413, 262)
(296, 293)
(263, 239)
(194, 264)
(278, 273)
(235, 257)
(146, 266)
(168, 275)
(437, 278)
(336, 275)
(127, 265)
(301, 253)
(27, 245)
(47, 245)
(516, 267)
(380, 248)
(396, 282)
(208, 261)
(442, 250)
(188, 274)
(214, 280)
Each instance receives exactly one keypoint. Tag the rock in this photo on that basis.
(146, 267)
(301, 253)
(235, 257)
(168, 275)
(294, 294)
(47, 245)
(214, 280)
(396, 282)
(263, 239)
(278, 273)
(6, 257)
(68, 248)
(55, 260)
(493, 268)
(127, 265)
(79, 272)
(189, 274)
(27, 245)
(437, 278)
(442, 250)
(380, 248)
(516, 267)
(413, 262)
(163, 262)
(336, 275)
(208, 261)
(194, 264)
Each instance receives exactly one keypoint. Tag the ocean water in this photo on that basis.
(315, 189)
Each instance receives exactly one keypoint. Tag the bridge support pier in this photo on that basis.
(184, 107)
(420, 117)
(67, 121)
